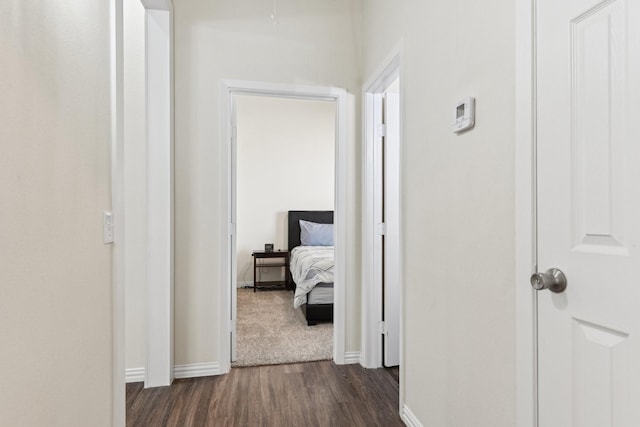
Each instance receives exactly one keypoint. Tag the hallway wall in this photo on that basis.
(55, 182)
(312, 43)
(457, 203)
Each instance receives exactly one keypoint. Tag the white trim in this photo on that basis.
(117, 207)
(409, 418)
(195, 370)
(227, 89)
(371, 270)
(371, 316)
(386, 72)
(340, 225)
(525, 123)
(225, 296)
(134, 375)
(352, 357)
(160, 197)
(158, 4)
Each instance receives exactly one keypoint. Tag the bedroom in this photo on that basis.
(277, 139)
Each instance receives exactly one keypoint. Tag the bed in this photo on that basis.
(318, 304)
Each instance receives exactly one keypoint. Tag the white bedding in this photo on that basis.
(309, 266)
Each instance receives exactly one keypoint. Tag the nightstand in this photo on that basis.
(276, 259)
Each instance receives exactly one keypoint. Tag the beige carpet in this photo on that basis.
(270, 331)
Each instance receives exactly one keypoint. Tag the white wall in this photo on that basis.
(55, 285)
(458, 205)
(285, 161)
(225, 39)
(135, 182)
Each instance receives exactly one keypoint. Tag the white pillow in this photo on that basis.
(314, 234)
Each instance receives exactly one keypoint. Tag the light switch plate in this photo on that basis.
(107, 231)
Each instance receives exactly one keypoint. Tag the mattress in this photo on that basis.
(322, 293)
(309, 266)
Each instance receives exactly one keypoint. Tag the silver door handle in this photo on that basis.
(552, 279)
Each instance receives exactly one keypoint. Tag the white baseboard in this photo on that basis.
(409, 418)
(351, 357)
(196, 370)
(134, 375)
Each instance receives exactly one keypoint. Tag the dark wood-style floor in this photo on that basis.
(302, 394)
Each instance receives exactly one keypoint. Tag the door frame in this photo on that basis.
(526, 214)
(371, 343)
(229, 88)
(159, 125)
(116, 101)
(371, 346)
(159, 299)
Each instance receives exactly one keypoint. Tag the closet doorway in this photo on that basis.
(277, 178)
(382, 245)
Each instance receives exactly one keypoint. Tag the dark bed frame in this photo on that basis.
(314, 313)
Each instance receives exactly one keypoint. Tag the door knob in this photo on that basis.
(552, 279)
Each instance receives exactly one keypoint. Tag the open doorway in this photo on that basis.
(387, 213)
(382, 248)
(228, 271)
(284, 161)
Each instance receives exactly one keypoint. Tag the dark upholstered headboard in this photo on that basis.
(321, 217)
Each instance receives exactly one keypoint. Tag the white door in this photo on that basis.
(589, 212)
(391, 201)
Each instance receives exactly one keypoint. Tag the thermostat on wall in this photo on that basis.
(465, 115)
